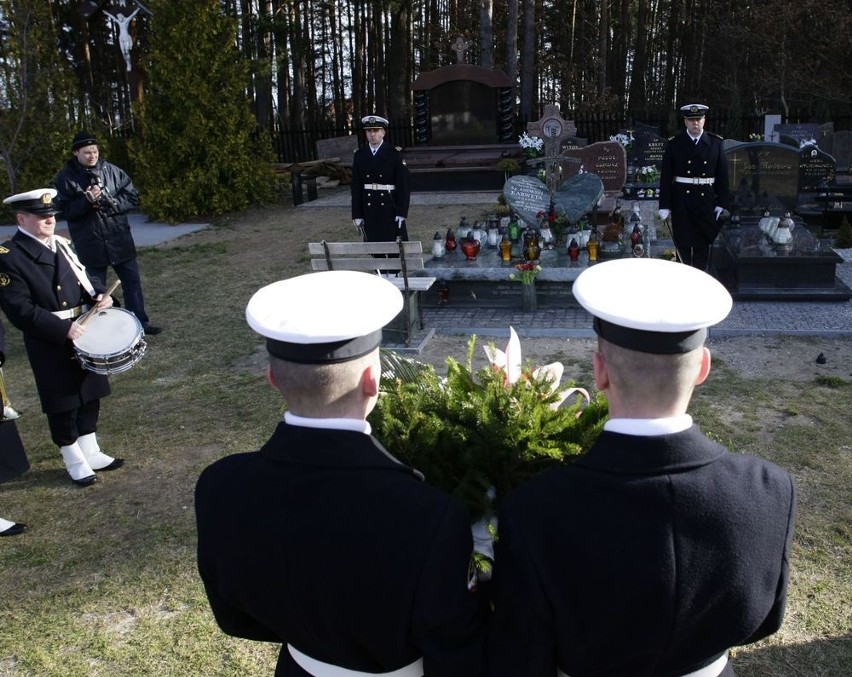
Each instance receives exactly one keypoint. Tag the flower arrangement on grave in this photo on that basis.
(669, 254)
(532, 146)
(526, 272)
(625, 139)
(808, 142)
(478, 433)
(648, 174)
(755, 137)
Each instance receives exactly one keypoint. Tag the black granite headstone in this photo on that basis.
(763, 175)
(648, 149)
(816, 169)
(528, 197)
(796, 133)
(839, 146)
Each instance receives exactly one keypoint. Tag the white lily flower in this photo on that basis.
(510, 362)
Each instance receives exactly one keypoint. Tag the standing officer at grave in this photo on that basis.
(321, 540)
(380, 186)
(659, 549)
(694, 187)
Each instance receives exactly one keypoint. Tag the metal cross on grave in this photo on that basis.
(552, 128)
(460, 47)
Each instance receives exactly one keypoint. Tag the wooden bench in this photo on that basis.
(395, 261)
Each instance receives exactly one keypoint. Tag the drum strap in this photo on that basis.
(78, 269)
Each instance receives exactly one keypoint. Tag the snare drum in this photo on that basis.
(113, 342)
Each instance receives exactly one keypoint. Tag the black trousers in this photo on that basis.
(67, 426)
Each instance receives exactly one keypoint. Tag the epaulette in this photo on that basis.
(398, 148)
(721, 138)
(4, 249)
(671, 138)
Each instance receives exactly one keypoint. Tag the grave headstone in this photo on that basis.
(578, 196)
(648, 149)
(817, 169)
(342, 147)
(731, 143)
(839, 146)
(606, 159)
(528, 197)
(796, 133)
(573, 142)
(769, 124)
(553, 129)
(763, 175)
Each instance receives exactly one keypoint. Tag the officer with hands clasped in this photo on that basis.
(694, 187)
(380, 186)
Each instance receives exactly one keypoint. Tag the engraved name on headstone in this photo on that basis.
(648, 149)
(763, 175)
(606, 159)
(816, 169)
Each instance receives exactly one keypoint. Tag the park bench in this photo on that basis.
(401, 263)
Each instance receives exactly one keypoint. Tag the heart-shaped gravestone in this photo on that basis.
(578, 196)
(527, 197)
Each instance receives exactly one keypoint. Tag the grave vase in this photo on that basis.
(529, 297)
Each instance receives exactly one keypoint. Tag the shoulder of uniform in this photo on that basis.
(4, 249)
(398, 148)
(672, 138)
(63, 240)
(721, 138)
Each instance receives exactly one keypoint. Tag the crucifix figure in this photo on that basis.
(125, 40)
(460, 46)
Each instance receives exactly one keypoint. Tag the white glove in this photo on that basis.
(400, 220)
(358, 222)
(718, 211)
(665, 213)
(483, 539)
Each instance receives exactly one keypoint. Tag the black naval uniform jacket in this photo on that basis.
(323, 540)
(648, 556)
(33, 282)
(13, 457)
(379, 208)
(694, 222)
(101, 234)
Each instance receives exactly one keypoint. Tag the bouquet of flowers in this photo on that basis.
(533, 146)
(527, 272)
(479, 433)
(648, 174)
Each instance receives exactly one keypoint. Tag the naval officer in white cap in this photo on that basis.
(659, 549)
(380, 185)
(321, 540)
(694, 187)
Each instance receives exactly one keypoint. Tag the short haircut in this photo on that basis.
(325, 390)
(645, 377)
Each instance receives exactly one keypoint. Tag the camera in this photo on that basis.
(105, 200)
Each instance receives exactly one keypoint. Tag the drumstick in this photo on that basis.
(85, 318)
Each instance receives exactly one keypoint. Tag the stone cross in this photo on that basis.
(552, 128)
(460, 46)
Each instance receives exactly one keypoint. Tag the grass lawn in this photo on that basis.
(104, 582)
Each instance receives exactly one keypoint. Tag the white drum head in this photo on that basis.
(109, 332)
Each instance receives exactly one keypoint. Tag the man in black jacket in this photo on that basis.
(658, 550)
(321, 540)
(43, 289)
(694, 187)
(94, 197)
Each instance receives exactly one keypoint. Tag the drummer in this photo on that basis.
(43, 290)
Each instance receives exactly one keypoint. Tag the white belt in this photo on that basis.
(711, 670)
(320, 669)
(695, 179)
(379, 186)
(71, 313)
